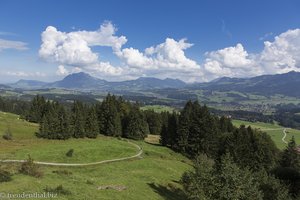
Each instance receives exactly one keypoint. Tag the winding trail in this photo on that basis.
(82, 164)
(283, 131)
(284, 136)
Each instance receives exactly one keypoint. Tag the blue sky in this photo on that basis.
(191, 40)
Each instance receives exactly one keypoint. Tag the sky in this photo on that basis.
(192, 40)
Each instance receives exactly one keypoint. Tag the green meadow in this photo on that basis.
(155, 175)
(274, 130)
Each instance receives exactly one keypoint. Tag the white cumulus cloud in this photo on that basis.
(231, 61)
(74, 48)
(62, 71)
(283, 54)
(167, 59)
(279, 56)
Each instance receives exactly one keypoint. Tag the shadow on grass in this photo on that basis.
(168, 193)
(154, 144)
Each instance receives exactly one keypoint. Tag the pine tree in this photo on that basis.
(172, 130)
(154, 121)
(136, 126)
(198, 184)
(224, 180)
(197, 131)
(235, 183)
(290, 156)
(110, 120)
(91, 125)
(184, 127)
(78, 120)
(63, 129)
(164, 135)
(37, 109)
(251, 148)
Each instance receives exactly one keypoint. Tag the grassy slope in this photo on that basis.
(19, 128)
(274, 130)
(85, 150)
(151, 177)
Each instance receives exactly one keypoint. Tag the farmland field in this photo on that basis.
(158, 108)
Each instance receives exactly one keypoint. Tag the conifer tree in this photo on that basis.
(154, 121)
(37, 109)
(290, 156)
(184, 127)
(91, 125)
(172, 130)
(63, 129)
(164, 135)
(137, 127)
(78, 120)
(110, 120)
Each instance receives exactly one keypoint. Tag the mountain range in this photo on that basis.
(286, 84)
(84, 81)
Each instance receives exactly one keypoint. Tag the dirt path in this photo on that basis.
(82, 164)
(284, 136)
(283, 131)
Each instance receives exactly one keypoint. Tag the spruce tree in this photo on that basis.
(290, 156)
(91, 125)
(184, 127)
(63, 129)
(235, 183)
(154, 121)
(110, 120)
(172, 130)
(136, 128)
(78, 120)
(37, 109)
(164, 135)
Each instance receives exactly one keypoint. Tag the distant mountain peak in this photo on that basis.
(79, 75)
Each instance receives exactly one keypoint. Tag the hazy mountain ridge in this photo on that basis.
(286, 84)
(28, 84)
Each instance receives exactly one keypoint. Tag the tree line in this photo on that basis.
(112, 117)
(14, 106)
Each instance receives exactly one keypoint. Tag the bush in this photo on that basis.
(30, 168)
(70, 153)
(5, 176)
(7, 135)
(60, 190)
(90, 182)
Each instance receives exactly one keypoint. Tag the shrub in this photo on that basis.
(7, 135)
(70, 153)
(30, 168)
(58, 190)
(90, 182)
(5, 176)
